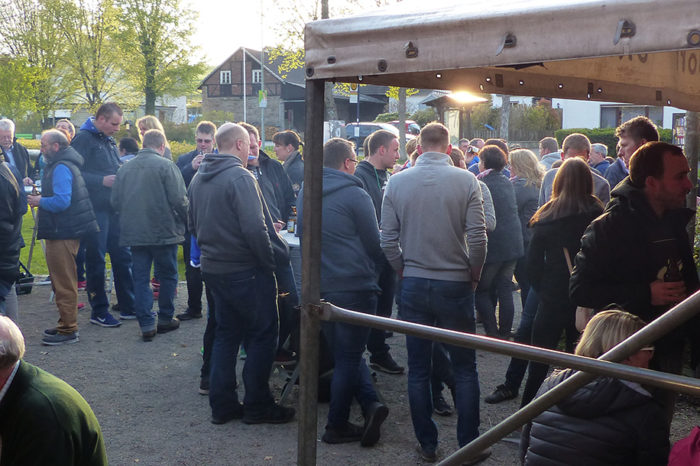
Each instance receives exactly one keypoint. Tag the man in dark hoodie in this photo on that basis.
(230, 220)
(383, 153)
(65, 216)
(99, 150)
(350, 255)
(637, 253)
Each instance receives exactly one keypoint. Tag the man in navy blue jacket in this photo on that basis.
(99, 150)
(350, 255)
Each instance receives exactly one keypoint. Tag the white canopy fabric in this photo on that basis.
(574, 49)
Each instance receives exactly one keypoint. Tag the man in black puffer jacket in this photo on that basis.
(13, 205)
(65, 216)
(637, 254)
(95, 143)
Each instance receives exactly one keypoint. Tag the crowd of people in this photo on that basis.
(442, 237)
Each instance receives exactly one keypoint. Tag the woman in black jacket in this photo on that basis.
(606, 422)
(13, 205)
(557, 229)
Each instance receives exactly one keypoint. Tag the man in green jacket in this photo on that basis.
(150, 195)
(43, 420)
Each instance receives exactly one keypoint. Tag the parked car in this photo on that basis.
(365, 129)
(412, 128)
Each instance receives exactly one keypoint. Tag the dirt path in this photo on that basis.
(145, 397)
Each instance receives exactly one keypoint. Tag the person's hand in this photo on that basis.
(33, 201)
(667, 293)
(28, 181)
(108, 181)
(278, 226)
(197, 161)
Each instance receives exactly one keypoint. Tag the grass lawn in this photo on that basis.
(38, 265)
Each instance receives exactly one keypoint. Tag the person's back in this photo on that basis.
(437, 195)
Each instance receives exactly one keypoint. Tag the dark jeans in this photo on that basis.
(385, 303)
(288, 304)
(209, 333)
(449, 305)
(442, 371)
(497, 276)
(165, 260)
(193, 275)
(96, 246)
(5, 288)
(80, 261)
(351, 378)
(245, 305)
(518, 367)
(551, 320)
(522, 278)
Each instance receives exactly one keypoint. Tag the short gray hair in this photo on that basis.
(7, 125)
(153, 139)
(600, 148)
(56, 136)
(11, 343)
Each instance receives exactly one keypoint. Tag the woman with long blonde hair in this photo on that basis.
(557, 228)
(150, 122)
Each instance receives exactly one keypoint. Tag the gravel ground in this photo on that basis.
(145, 397)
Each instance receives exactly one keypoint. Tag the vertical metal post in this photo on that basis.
(311, 273)
(692, 149)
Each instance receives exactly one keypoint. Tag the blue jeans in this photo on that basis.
(5, 288)
(96, 246)
(245, 305)
(517, 367)
(165, 260)
(288, 305)
(80, 261)
(351, 377)
(385, 303)
(449, 305)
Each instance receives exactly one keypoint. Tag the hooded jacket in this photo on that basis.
(607, 422)
(150, 196)
(13, 205)
(350, 251)
(373, 181)
(294, 166)
(506, 240)
(78, 219)
(101, 158)
(615, 264)
(549, 159)
(229, 218)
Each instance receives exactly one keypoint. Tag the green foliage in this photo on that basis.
(218, 117)
(292, 59)
(385, 117)
(535, 118)
(17, 79)
(485, 114)
(393, 92)
(178, 148)
(30, 143)
(423, 117)
(179, 132)
(605, 136)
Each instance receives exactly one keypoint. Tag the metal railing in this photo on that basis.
(590, 368)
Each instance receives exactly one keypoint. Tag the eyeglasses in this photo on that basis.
(203, 141)
(647, 348)
(354, 161)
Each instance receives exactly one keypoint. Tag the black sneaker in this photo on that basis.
(385, 363)
(441, 407)
(501, 393)
(189, 315)
(236, 414)
(375, 416)
(429, 455)
(204, 386)
(148, 335)
(173, 324)
(347, 434)
(275, 414)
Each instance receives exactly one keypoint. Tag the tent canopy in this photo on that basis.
(644, 52)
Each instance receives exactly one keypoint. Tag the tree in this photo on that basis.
(154, 38)
(16, 88)
(30, 38)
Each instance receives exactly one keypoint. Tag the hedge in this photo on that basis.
(605, 136)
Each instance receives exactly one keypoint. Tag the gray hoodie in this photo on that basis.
(229, 217)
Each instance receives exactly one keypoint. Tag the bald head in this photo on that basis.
(11, 345)
(233, 139)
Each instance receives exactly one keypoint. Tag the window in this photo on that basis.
(225, 77)
(257, 76)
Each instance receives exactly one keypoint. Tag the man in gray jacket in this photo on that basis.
(150, 193)
(434, 235)
(235, 233)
